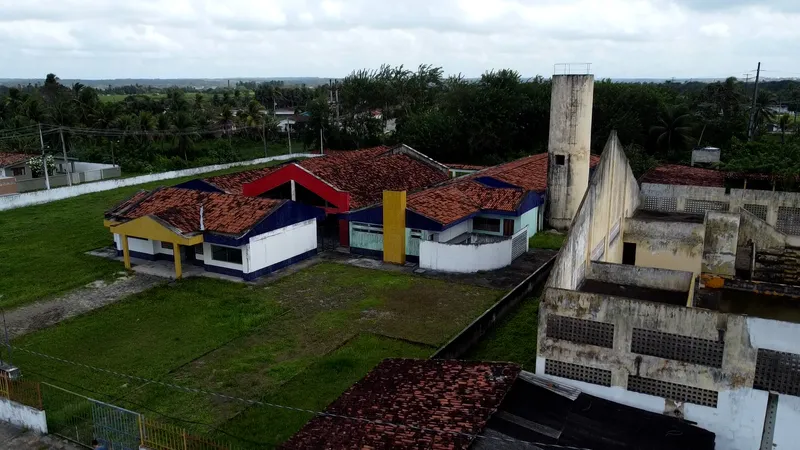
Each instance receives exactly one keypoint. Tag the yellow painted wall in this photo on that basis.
(678, 259)
(148, 228)
(394, 227)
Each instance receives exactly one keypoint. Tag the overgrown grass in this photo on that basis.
(42, 247)
(513, 340)
(547, 240)
(300, 341)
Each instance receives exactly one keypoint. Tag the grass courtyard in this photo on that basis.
(300, 341)
(42, 247)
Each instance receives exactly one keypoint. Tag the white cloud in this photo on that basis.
(230, 38)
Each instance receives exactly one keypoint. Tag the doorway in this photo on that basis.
(508, 227)
(629, 253)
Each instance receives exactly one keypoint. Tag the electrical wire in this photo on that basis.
(292, 408)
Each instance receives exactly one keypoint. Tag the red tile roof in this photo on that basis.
(365, 174)
(445, 396)
(684, 175)
(8, 159)
(464, 167)
(453, 201)
(180, 208)
(461, 197)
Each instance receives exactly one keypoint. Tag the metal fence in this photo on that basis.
(25, 392)
(81, 419)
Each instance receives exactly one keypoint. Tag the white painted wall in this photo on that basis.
(138, 245)
(87, 166)
(46, 196)
(787, 435)
(737, 421)
(23, 416)
(774, 335)
(281, 244)
(464, 258)
(455, 230)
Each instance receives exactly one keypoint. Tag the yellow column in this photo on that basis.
(176, 250)
(394, 227)
(126, 254)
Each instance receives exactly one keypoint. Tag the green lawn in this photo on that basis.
(548, 240)
(300, 341)
(514, 339)
(42, 247)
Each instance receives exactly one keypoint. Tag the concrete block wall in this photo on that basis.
(23, 416)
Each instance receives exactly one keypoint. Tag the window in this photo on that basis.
(416, 234)
(226, 254)
(166, 245)
(560, 160)
(367, 228)
(18, 171)
(486, 224)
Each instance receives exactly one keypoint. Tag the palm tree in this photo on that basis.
(146, 123)
(184, 133)
(784, 122)
(763, 110)
(162, 125)
(672, 131)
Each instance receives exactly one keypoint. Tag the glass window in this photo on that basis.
(166, 245)
(18, 171)
(486, 224)
(226, 254)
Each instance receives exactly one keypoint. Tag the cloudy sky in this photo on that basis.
(272, 38)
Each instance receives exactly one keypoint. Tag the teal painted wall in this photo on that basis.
(531, 219)
(412, 245)
(369, 241)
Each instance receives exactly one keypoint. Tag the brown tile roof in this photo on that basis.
(180, 208)
(529, 173)
(8, 159)
(445, 396)
(464, 167)
(453, 201)
(684, 175)
(365, 174)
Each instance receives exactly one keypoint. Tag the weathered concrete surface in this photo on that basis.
(569, 146)
(666, 245)
(15, 438)
(596, 232)
(671, 280)
(95, 295)
(721, 240)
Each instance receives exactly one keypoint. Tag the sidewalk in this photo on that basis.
(13, 438)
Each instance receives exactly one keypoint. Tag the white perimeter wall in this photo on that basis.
(46, 196)
(464, 258)
(281, 244)
(455, 230)
(23, 416)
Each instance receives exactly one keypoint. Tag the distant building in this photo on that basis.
(17, 166)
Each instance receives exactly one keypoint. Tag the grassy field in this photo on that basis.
(548, 240)
(42, 247)
(300, 341)
(513, 340)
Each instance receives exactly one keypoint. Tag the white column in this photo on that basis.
(294, 195)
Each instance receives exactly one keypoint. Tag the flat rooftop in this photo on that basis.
(678, 298)
(663, 216)
(749, 303)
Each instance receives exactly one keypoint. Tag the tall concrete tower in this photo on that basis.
(569, 146)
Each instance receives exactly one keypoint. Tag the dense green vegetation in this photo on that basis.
(548, 239)
(300, 341)
(51, 239)
(512, 340)
(495, 118)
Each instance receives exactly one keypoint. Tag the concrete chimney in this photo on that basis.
(569, 146)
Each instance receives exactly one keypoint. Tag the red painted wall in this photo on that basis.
(340, 200)
(344, 233)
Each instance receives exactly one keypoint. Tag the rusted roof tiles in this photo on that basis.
(8, 159)
(232, 183)
(453, 399)
(222, 213)
(684, 175)
(529, 173)
(464, 167)
(451, 202)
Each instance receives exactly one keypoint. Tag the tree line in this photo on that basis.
(495, 118)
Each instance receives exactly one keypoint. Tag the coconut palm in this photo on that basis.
(763, 111)
(672, 131)
(183, 125)
(784, 122)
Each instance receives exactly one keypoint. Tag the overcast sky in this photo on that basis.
(330, 38)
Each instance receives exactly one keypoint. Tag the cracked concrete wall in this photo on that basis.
(721, 241)
(596, 232)
(671, 280)
(666, 245)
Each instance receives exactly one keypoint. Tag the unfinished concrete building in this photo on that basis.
(682, 300)
(569, 146)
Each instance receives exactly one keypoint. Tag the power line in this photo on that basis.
(289, 408)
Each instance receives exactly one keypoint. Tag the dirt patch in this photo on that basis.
(94, 295)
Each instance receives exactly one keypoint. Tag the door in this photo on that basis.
(629, 253)
(508, 227)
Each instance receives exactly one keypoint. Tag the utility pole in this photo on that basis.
(321, 151)
(337, 101)
(289, 134)
(264, 136)
(66, 162)
(44, 159)
(752, 125)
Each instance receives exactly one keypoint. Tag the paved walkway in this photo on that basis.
(13, 438)
(97, 294)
